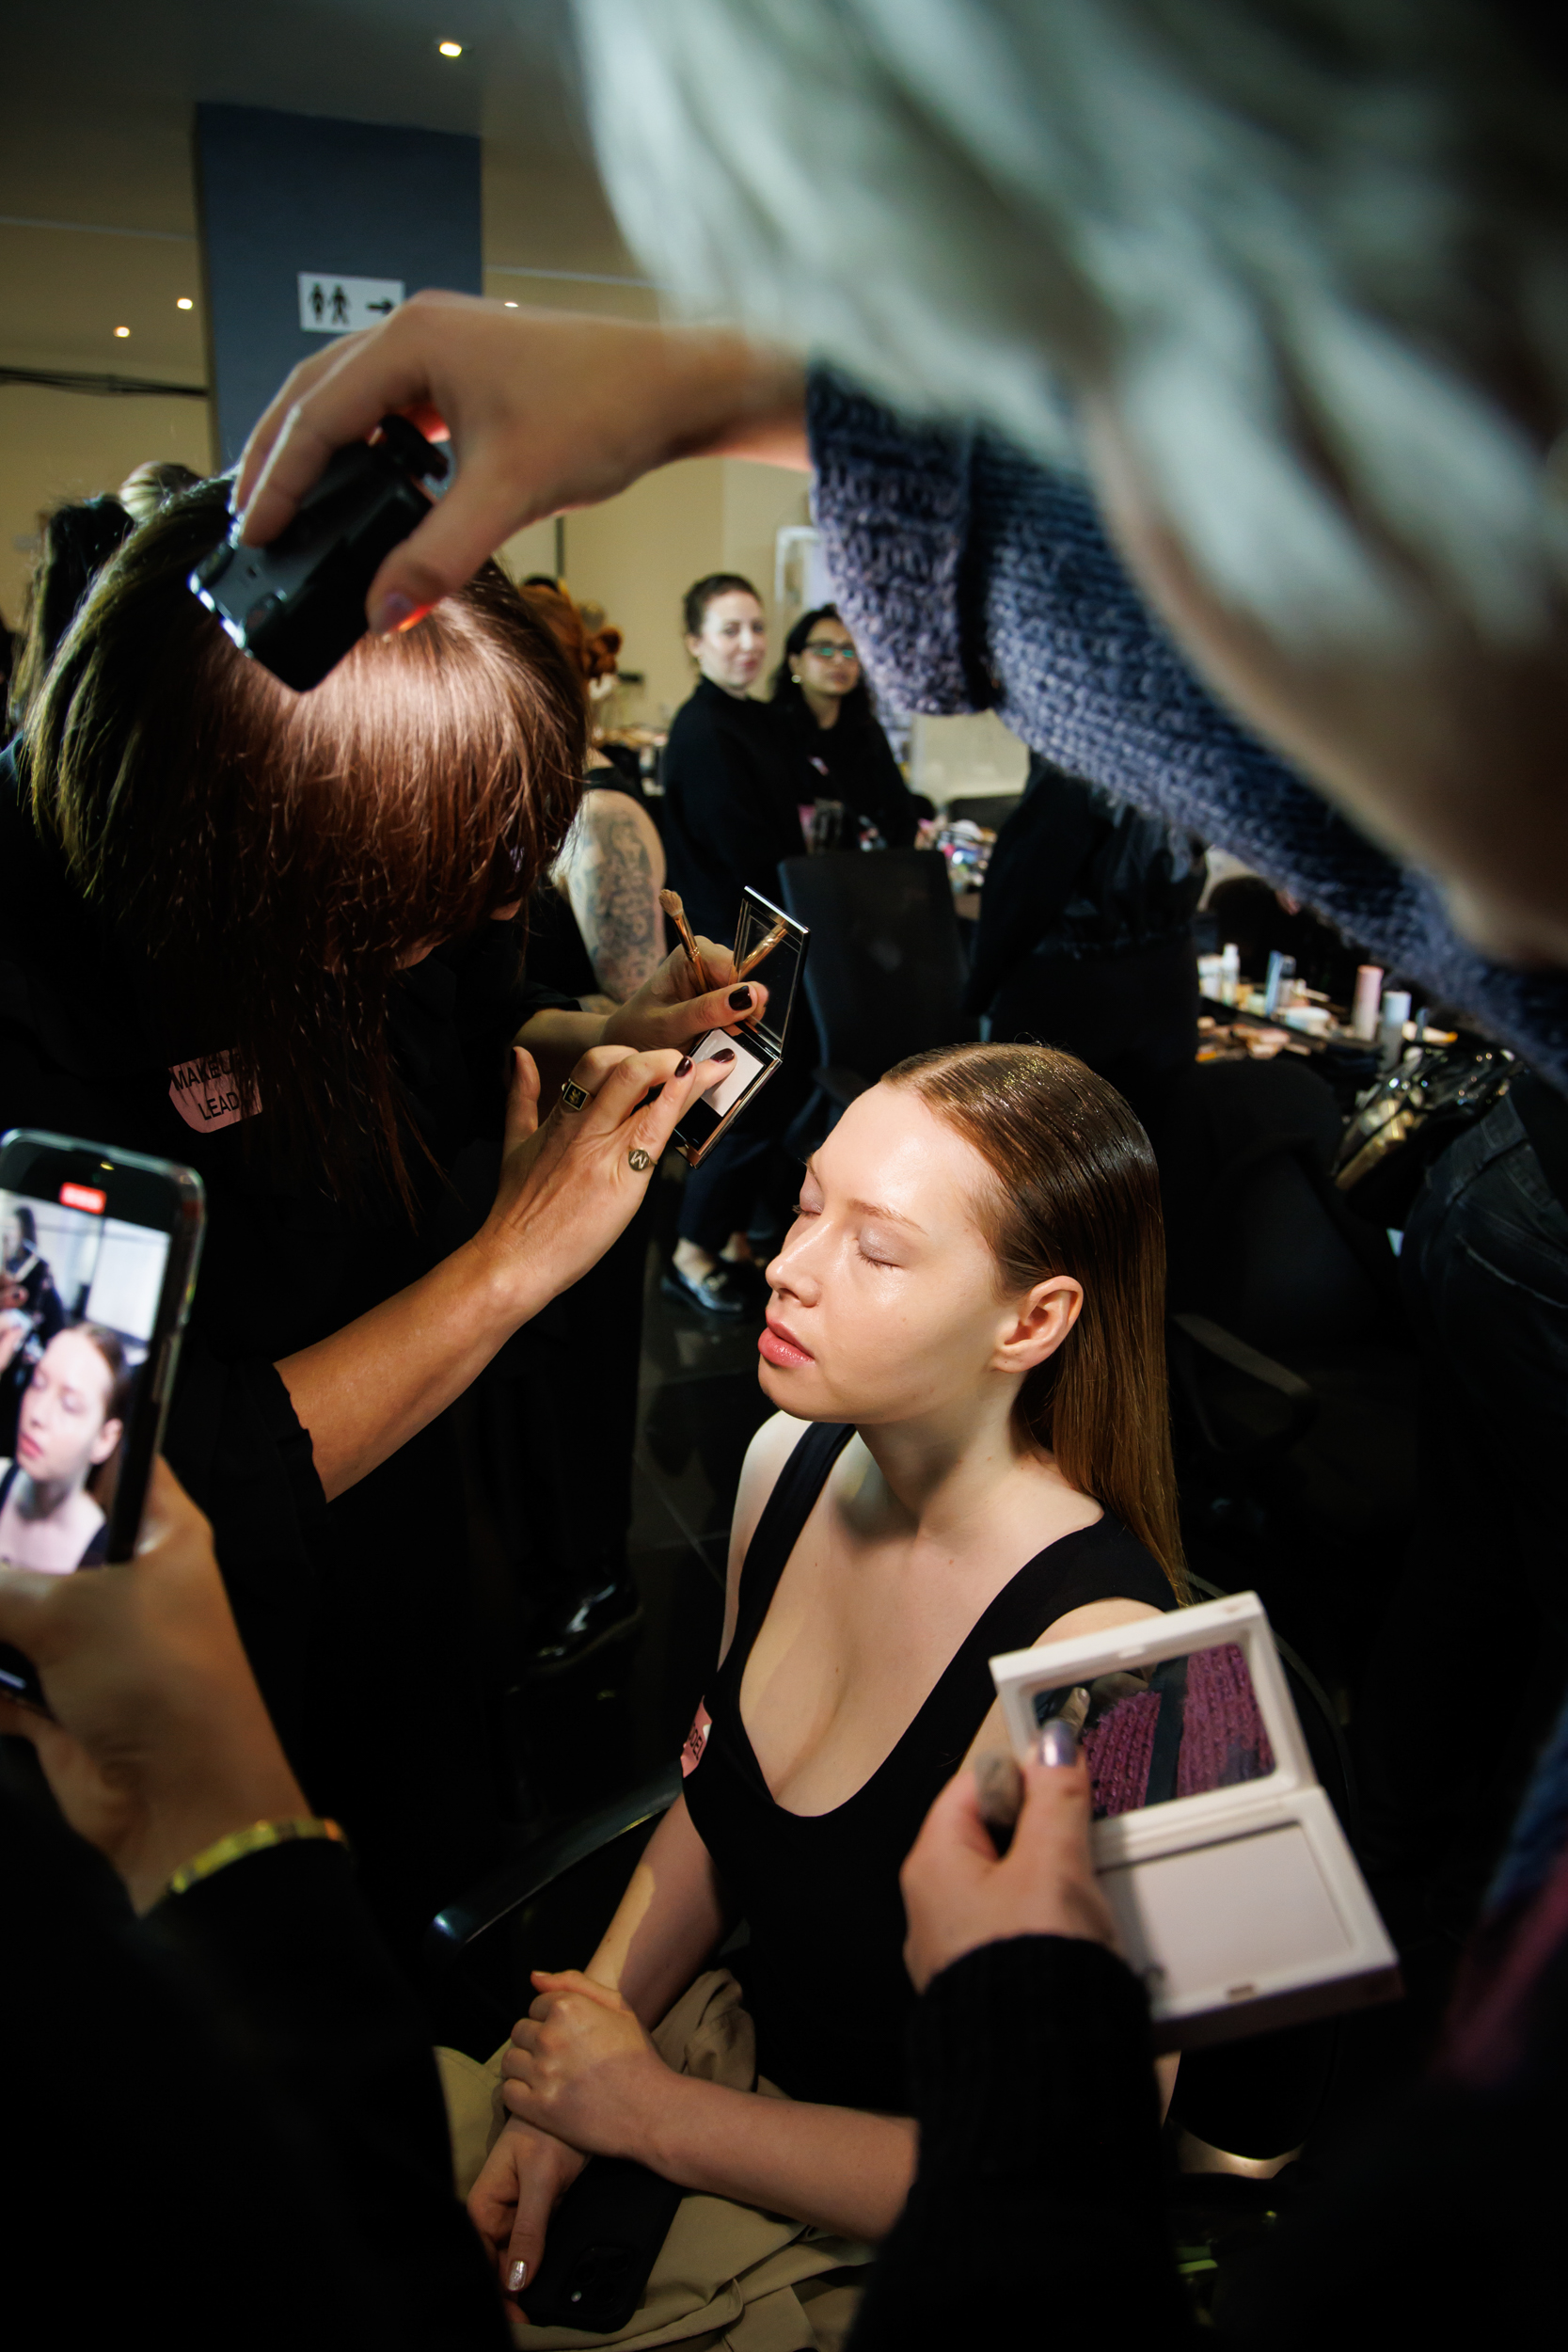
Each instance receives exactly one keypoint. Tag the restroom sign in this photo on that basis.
(331, 304)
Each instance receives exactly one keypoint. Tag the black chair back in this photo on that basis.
(885, 973)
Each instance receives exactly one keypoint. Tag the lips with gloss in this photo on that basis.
(776, 1346)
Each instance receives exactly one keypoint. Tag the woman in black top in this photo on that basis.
(970, 1305)
(732, 794)
(824, 704)
(274, 936)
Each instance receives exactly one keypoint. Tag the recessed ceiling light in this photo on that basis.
(122, 332)
(511, 305)
(184, 302)
(450, 48)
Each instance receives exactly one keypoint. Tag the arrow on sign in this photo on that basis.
(383, 307)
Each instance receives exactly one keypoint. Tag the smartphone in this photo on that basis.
(98, 1251)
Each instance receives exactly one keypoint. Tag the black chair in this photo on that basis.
(544, 1908)
(885, 973)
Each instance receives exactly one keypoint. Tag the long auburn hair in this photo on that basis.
(270, 859)
(1076, 1192)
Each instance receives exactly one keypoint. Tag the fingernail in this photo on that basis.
(515, 2276)
(683, 1065)
(725, 1053)
(397, 612)
(740, 998)
(1058, 1742)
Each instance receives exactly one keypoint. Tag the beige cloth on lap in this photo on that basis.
(727, 2275)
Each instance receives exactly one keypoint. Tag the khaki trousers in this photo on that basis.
(727, 2275)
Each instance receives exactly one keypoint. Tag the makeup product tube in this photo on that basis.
(1390, 1036)
(1368, 994)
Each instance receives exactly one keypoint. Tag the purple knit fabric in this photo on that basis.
(1118, 1749)
(1223, 1739)
(973, 579)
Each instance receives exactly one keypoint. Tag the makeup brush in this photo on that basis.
(670, 901)
(774, 939)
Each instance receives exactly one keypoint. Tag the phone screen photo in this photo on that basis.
(98, 1253)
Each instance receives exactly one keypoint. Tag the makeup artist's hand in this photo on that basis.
(569, 1184)
(545, 411)
(671, 1009)
(959, 1894)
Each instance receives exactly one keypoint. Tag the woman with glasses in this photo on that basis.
(827, 714)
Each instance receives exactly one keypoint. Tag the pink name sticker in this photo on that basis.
(204, 1093)
(696, 1740)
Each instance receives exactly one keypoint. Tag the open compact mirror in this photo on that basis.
(1235, 1893)
(772, 945)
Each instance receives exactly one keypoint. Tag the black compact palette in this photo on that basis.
(771, 944)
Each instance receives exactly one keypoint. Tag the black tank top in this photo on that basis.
(824, 1971)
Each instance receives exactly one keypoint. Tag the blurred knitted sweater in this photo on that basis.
(975, 580)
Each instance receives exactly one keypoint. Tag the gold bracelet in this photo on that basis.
(239, 1842)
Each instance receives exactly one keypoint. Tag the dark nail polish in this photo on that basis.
(725, 1053)
(740, 998)
(683, 1065)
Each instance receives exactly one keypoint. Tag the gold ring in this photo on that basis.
(641, 1161)
(573, 1097)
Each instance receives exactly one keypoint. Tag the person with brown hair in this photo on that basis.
(611, 870)
(968, 1313)
(73, 1413)
(272, 935)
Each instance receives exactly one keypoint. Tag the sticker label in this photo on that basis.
(204, 1093)
(696, 1740)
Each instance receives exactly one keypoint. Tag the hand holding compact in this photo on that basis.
(672, 1008)
(160, 1742)
(959, 1894)
(571, 1184)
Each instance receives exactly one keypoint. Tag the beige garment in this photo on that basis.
(727, 2276)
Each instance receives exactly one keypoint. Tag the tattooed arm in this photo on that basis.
(612, 869)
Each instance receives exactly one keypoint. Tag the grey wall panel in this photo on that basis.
(281, 193)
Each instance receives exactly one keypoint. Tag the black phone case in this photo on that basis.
(604, 2240)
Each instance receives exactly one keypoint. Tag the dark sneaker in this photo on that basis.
(718, 1294)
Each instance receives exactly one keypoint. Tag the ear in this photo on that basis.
(107, 1440)
(1045, 1316)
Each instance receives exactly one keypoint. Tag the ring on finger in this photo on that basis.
(573, 1097)
(640, 1161)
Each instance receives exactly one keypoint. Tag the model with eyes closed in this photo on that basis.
(73, 1413)
(964, 1342)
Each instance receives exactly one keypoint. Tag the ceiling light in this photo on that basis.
(510, 305)
(450, 48)
(184, 302)
(122, 332)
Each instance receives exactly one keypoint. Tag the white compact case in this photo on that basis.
(1236, 1896)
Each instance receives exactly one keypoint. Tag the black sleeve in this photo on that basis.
(236, 1444)
(285, 1943)
(231, 2108)
(1039, 853)
(1036, 2214)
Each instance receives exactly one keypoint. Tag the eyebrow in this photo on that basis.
(875, 1208)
